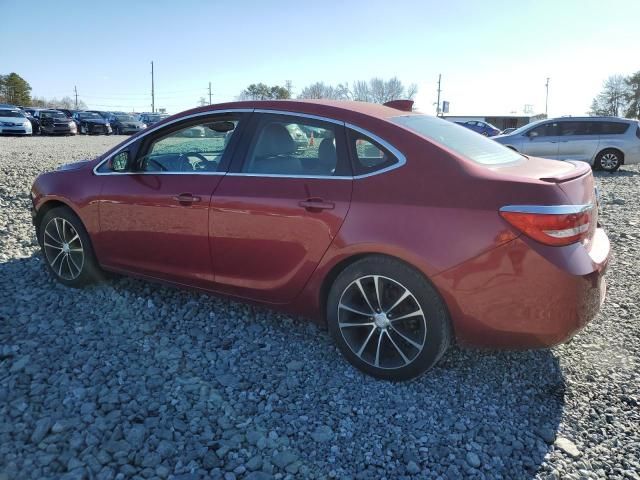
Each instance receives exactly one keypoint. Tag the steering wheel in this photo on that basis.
(197, 155)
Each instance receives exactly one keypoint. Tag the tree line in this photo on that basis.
(16, 90)
(620, 96)
(376, 90)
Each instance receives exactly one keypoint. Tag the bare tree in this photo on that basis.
(361, 91)
(412, 91)
(612, 100)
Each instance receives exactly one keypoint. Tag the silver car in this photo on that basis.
(603, 142)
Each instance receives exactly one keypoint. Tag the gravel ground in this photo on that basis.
(128, 379)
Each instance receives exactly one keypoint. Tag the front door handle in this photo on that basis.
(186, 198)
(316, 205)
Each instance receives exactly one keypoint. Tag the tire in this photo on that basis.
(608, 160)
(401, 346)
(67, 249)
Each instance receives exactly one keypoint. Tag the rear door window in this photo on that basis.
(294, 146)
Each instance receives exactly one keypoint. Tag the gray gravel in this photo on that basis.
(128, 379)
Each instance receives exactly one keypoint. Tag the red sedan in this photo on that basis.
(401, 232)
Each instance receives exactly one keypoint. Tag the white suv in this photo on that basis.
(603, 142)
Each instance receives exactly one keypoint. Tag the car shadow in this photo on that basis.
(223, 367)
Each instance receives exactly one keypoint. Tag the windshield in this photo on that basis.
(88, 115)
(466, 142)
(156, 118)
(11, 113)
(53, 115)
(125, 118)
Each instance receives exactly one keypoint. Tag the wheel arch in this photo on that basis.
(337, 268)
(601, 150)
(48, 205)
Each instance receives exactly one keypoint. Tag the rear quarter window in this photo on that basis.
(613, 128)
(368, 155)
(463, 141)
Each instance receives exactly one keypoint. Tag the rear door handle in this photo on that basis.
(186, 198)
(316, 204)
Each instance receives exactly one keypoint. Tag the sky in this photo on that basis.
(494, 56)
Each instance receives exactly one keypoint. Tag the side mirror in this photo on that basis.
(532, 135)
(120, 163)
(221, 127)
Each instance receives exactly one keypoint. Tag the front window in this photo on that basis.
(194, 149)
(463, 141)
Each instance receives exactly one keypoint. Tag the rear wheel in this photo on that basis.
(387, 319)
(67, 248)
(608, 160)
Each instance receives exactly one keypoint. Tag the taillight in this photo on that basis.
(551, 225)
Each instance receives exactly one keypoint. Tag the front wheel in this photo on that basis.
(67, 248)
(387, 319)
(608, 160)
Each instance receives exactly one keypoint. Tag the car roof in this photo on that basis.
(339, 109)
(598, 118)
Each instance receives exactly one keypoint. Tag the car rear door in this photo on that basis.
(578, 140)
(154, 216)
(542, 141)
(276, 212)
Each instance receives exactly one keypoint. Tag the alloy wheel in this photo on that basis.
(609, 161)
(63, 248)
(382, 322)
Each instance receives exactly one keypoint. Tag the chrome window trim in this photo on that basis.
(152, 129)
(402, 160)
(282, 175)
(548, 209)
(296, 114)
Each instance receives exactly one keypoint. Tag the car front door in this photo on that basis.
(278, 210)
(154, 207)
(541, 141)
(579, 140)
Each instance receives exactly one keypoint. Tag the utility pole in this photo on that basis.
(209, 93)
(546, 99)
(153, 99)
(438, 104)
(75, 89)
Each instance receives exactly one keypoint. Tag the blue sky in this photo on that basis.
(494, 56)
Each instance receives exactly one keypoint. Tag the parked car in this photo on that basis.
(54, 122)
(298, 135)
(483, 128)
(603, 142)
(124, 123)
(14, 121)
(92, 123)
(35, 122)
(360, 232)
(102, 113)
(152, 118)
(69, 113)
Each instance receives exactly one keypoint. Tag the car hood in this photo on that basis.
(73, 165)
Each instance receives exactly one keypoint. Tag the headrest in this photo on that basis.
(275, 140)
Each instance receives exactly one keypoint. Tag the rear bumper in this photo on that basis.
(526, 295)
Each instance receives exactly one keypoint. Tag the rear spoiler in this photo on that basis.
(581, 168)
(404, 105)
